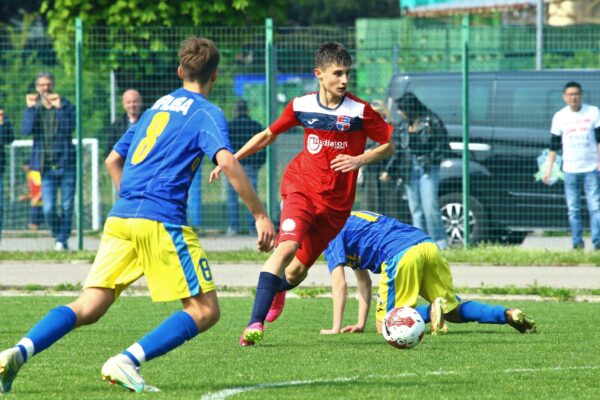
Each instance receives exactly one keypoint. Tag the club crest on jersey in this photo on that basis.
(342, 123)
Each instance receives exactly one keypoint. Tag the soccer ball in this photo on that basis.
(403, 327)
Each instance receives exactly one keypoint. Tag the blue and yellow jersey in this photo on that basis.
(163, 152)
(368, 239)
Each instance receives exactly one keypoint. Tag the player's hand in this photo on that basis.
(215, 174)
(54, 100)
(266, 234)
(353, 329)
(329, 331)
(1, 116)
(345, 163)
(384, 176)
(31, 99)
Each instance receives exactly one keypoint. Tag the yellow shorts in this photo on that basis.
(168, 255)
(419, 270)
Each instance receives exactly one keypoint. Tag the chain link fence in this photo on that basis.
(510, 112)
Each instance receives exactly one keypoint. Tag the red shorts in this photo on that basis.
(310, 224)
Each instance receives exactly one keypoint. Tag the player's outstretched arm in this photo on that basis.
(256, 143)
(347, 163)
(339, 289)
(238, 179)
(114, 165)
(363, 281)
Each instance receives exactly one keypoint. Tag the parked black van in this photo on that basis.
(510, 115)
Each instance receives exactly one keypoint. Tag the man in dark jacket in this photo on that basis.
(6, 137)
(242, 128)
(50, 118)
(132, 104)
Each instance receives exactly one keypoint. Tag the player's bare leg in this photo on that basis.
(269, 281)
(295, 273)
(92, 305)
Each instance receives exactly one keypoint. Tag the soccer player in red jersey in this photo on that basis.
(319, 184)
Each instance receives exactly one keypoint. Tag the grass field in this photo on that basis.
(295, 362)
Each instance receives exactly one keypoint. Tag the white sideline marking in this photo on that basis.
(225, 393)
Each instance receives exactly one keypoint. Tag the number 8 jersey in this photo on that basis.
(162, 153)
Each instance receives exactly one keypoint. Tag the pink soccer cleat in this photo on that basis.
(276, 306)
(252, 334)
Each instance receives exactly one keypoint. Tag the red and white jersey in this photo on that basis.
(327, 133)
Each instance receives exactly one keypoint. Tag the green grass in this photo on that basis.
(481, 255)
(512, 255)
(471, 362)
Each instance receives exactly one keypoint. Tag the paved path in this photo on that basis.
(245, 275)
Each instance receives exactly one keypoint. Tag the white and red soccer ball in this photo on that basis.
(403, 327)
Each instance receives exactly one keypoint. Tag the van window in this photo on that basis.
(480, 99)
(555, 102)
(523, 103)
(445, 99)
(440, 96)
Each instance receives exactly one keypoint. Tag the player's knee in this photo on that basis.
(208, 318)
(86, 314)
(90, 307)
(296, 274)
(205, 316)
(287, 250)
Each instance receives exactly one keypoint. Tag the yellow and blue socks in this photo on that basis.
(172, 333)
(423, 310)
(473, 311)
(57, 323)
(267, 285)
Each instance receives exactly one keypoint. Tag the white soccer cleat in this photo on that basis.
(121, 370)
(11, 361)
(437, 325)
(518, 320)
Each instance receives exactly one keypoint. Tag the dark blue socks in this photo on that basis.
(285, 285)
(267, 285)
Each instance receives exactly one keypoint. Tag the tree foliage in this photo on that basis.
(130, 14)
(338, 14)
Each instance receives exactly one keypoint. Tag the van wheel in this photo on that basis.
(451, 207)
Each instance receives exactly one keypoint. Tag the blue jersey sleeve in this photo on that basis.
(335, 254)
(122, 146)
(215, 135)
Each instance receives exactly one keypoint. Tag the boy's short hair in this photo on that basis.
(199, 58)
(572, 84)
(331, 53)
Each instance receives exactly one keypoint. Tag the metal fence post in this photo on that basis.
(539, 36)
(79, 127)
(465, 132)
(270, 90)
